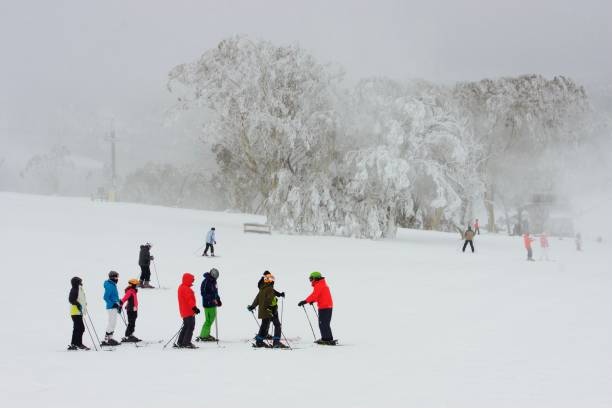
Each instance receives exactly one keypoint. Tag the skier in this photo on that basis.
(578, 242)
(266, 301)
(144, 261)
(276, 293)
(544, 246)
(527, 240)
(469, 238)
(210, 242)
(188, 310)
(131, 297)
(113, 307)
(78, 308)
(210, 302)
(322, 296)
(476, 227)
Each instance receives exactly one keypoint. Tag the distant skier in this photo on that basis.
(578, 242)
(476, 227)
(527, 240)
(78, 308)
(210, 242)
(144, 260)
(322, 295)
(266, 301)
(131, 297)
(113, 307)
(469, 238)
(544, 247)
(188, 310)
(210, 302)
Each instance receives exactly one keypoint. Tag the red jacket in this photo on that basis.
(543, 241)
(130, 292)
(527, 240)
(321, 294)
(186, 297)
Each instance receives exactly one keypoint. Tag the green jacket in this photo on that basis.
(265, 301)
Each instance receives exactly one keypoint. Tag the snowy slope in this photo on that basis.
(423, 324)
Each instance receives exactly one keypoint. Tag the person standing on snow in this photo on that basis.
(527, 240)
(188, 310)
(210, 242)
(113, 307)
(210, 302)
(322, 295)
(144, 261)
(476, 227)
(469, 238)
(131, 297)
(544, 247)
(78, 308)
(266, 301)
(578, 242)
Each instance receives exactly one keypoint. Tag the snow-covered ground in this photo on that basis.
(422, 325)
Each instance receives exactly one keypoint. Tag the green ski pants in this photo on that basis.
(211, 314)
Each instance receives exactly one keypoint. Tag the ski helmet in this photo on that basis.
(76, 281)
(214, 273)
(315, 275)
(113, 274)
(134, 282)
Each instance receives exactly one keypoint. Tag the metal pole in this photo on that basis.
(216, 325)
(311, 328)
(172, 338)
(156, 275)
(93, 327)
(90, 336)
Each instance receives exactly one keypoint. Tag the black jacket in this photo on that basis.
(144, 259)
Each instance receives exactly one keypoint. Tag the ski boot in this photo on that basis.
(259, 343)
(147, 285)
(130, 339)
(190, 346)
(83, 347)
(109, 341)
(278, 344)
(177, 346)
(327, 342)
(73, 347)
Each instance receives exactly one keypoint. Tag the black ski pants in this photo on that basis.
(131, 326)
(145, 273)
(78, 328)
(265, 325)
(186, 333)
(529, 254)
(468, 241)
(212, 249)
(325, 316)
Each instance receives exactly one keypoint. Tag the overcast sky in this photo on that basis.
(113, 55)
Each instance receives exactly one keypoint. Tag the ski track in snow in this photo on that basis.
(425, 325)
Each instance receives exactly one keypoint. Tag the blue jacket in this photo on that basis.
(209, 292)
(111, 294)
(210, 238)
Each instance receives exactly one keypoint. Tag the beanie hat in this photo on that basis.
(113, 274)
(316, 275)
(214, 273)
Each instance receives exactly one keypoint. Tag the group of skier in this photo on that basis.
(266, 301)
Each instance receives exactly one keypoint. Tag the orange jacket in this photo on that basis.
(321, 294)
(527, 240)
(186, 297)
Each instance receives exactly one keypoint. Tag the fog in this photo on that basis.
(73, 70)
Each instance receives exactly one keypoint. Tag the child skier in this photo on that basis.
(527, 240)
(210, 302)
(210, 242)
(113, 307)
(188, 310)
(544, 247)
(144, 261)
(476, 227)
(266, 301)
(78, 308)
(469, 238)
(322, 295)
(131, 297)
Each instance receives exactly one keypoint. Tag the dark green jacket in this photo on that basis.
(265, 301)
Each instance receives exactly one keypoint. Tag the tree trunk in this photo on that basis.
(490, 206)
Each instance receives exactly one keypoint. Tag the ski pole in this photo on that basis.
(216, 325)
(172, 338)
(90, 336)
(93, 327)
(313, 333)
(256, 321)
(197, 251)
(123, 318)
(282, 309)
(315, 310)
(156, 275)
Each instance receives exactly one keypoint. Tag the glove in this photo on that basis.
(195, 310)
(282, 294)
(117, 306)
(302, 303)
(135, 309)
(78, 305)
(215, 242)
(152, 257)
(219, 302)
(120, 303)
(250, 308)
